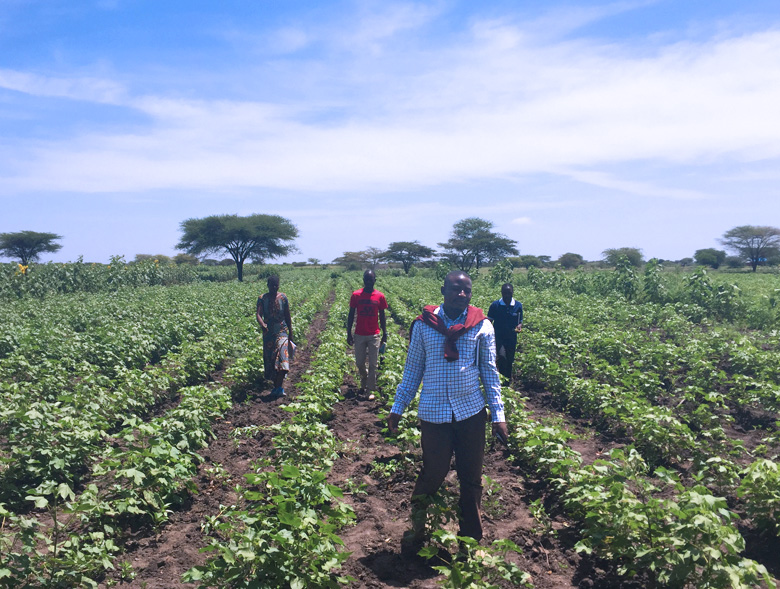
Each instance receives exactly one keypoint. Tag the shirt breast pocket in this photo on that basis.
(469, 349)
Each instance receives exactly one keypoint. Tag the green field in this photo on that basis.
(114, 381)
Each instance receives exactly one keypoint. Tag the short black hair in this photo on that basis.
(452, 275)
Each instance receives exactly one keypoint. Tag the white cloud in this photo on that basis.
(564, 20)
(77, 88)
(496, 104)
(378, 22)
(289, 40)
(637, 188)
(367, 30)
(521, 221)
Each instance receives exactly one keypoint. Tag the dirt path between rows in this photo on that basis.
(382, 510)
(382, 507)
(160, 559)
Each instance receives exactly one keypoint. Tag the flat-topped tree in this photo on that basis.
(255, 237)
(407, 253)
(710, 257)
(352, 261)
(571, 260)
(373, 255)
(613, 255)
(754, 244)
(473, 243)
(26, 246)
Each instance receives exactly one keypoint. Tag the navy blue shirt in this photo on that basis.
(505, 318)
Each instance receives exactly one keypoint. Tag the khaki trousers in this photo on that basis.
(367, 349)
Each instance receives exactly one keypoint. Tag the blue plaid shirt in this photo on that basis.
(451, 389)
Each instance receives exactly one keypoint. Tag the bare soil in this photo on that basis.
(383, 509)
(159, 559)
(382, 506)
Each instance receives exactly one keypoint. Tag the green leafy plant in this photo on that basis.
(542, 518)
(475, 566)
(491, 498)
(287, 538)
(760, 488)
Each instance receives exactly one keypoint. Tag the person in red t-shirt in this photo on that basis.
(370, 305)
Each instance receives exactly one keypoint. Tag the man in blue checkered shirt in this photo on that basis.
(452, 348)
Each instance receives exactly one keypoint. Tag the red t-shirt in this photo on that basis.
(367, 305)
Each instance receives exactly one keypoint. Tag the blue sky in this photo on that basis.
(572, 126)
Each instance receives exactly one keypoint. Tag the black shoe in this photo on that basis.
(441, 558)
(411, 543)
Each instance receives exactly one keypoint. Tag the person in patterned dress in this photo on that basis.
(273, 315)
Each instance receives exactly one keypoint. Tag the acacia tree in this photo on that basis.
(709, 257)
(545, 260)
(180, 259)
(407, 253)
(612, 255)
(754, 244)
(528, 261)
(255, 237)
(28, 245)
(352, 261)
(159, 258)
(473, 243)
(373, 255)
(571, 260)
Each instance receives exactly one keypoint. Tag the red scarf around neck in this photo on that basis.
(474, 317)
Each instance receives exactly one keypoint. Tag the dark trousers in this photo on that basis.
(505, 355)
(467, 440)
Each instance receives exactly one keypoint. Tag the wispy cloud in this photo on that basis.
(636, 188)
(495, 102)
(88, 89)
(388, 213)
(369, 29)
(561, 21)
(378, 22)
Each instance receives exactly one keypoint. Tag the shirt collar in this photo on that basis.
(450, 322)
(501, 302)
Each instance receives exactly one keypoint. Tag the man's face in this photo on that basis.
(507, 292)
(369, 279)
(457, 293)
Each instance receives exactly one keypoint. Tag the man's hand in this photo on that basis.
(350, 339)
(392, 422)
(500, 431)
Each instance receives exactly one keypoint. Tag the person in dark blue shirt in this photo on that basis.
(507, 316)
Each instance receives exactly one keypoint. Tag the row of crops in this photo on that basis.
(672, 503)
(283, 530)
(52, 279)
(106, 399)
(683, 394)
